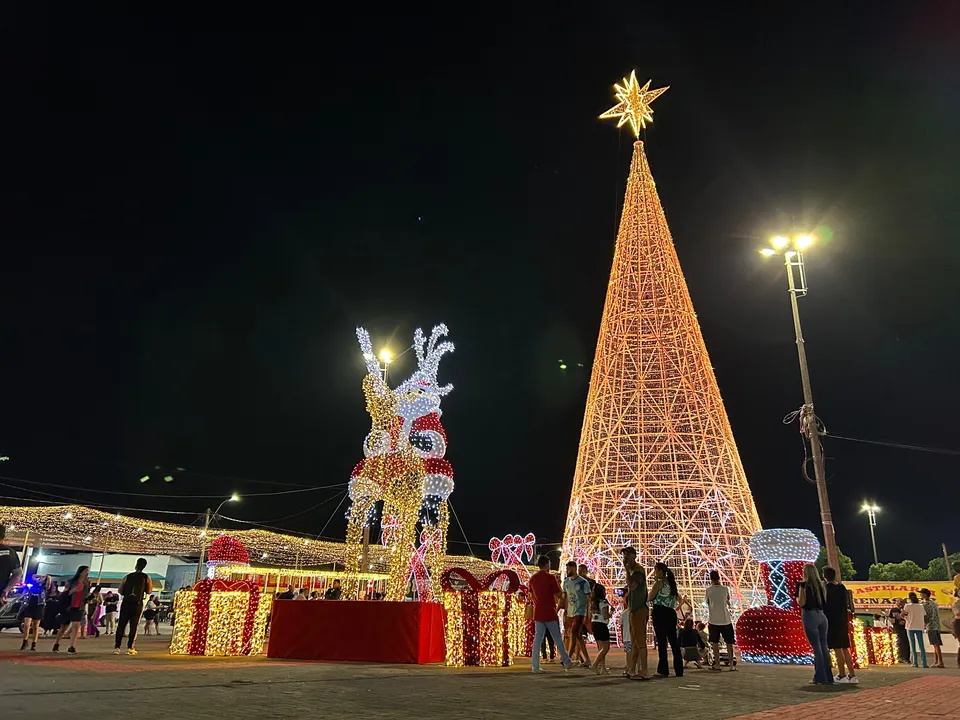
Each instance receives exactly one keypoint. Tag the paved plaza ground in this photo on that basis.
(95, 684)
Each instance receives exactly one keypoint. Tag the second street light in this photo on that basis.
(871, 511)
(791, 248)
(206, 528)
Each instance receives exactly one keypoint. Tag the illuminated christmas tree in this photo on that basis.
(657, 467)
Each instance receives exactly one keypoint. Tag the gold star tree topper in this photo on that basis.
(634, 106)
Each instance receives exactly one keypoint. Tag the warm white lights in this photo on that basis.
(803, 242)
(779, 242)
(404, 467)
(633, 104)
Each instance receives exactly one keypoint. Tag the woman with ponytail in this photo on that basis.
(665, 595)
(812, 597)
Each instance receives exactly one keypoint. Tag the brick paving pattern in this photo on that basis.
(42, 684)
(919, 699)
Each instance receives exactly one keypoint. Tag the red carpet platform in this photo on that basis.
(370, 631)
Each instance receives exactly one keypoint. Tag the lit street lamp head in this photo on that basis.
(781, 242)
(234, 498)
(386, 357)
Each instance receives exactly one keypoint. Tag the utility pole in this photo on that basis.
(103, 555)
(946, 560)
(203, 545)
(808, 418)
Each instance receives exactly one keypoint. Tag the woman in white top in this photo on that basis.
(912, 613)
(600, 617)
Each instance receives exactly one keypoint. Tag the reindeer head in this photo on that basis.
(420, 395)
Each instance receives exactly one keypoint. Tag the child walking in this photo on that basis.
(599, 619)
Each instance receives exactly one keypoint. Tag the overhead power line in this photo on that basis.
(901, 446)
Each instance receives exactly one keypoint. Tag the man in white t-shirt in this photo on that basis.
(721, 623)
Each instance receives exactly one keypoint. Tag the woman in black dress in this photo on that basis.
(837, 610)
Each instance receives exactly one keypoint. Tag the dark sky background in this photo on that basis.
(198, 211)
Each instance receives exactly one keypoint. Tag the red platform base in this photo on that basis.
(359, 631)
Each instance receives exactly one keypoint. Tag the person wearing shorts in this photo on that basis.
(33, 610)
(576, 591)
(931, 616)
(721, 622)
(599, 625)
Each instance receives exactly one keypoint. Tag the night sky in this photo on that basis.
(199, 210)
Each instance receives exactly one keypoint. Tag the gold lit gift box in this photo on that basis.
(220, 618)
(484, 623)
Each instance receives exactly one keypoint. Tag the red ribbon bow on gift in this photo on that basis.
(512, 548)
(224, 586)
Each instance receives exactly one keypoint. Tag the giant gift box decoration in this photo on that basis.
(881, 646)
(484, 625)
(220, 618)
(774, 633)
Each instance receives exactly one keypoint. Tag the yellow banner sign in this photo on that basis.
(884, 595)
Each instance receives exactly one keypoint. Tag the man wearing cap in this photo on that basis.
(639, 614)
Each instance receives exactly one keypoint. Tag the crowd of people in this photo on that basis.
(825, 604)
(80, 608)
(331, 593)
(77, 610)
(677, 636)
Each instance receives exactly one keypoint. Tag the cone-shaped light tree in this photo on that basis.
(658, 468)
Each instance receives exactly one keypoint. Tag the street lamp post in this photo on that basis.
(206, 527)
(793, 258)
(872, 511)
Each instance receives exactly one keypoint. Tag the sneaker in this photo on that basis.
(72, 650)
(841, 680)
(538, 671)
(131, 651)
(55, 648)
(116, 651)
(853, 680)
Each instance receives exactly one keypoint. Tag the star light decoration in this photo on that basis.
(634, 106)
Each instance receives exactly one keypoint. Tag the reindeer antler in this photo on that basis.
(428, 359)
(366, 347)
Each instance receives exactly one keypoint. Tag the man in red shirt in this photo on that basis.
(546, 592)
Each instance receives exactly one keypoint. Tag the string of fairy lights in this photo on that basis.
(76, 527)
